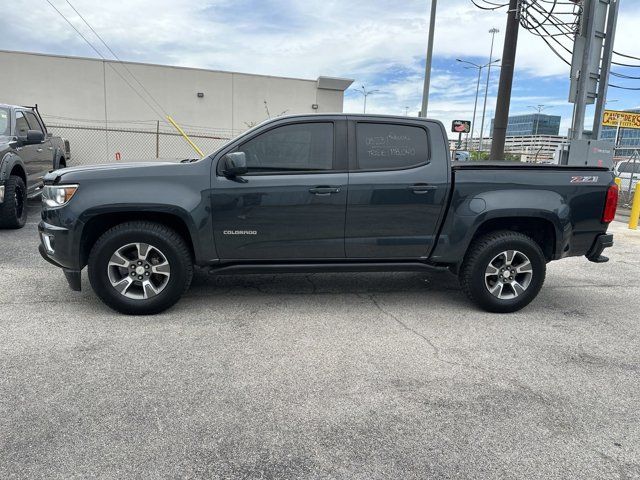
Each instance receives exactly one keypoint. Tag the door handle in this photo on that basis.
(50, 148)
(39, 150)
(422, 188)
(324, 190)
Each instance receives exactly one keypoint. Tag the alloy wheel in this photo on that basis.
(508, 274)
(139, 271)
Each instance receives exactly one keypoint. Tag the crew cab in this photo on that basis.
(27, 153)
(318, 193)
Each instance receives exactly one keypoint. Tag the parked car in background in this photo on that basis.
(27, 153)
(320, 193)
(461, 156)
(629, 173)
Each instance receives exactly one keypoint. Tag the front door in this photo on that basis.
(28, 153)
(398, 184)
(44, 149)
(291, 204)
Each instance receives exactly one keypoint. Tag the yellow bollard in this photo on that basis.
(185, 136)
(635, 209)
(618, 182)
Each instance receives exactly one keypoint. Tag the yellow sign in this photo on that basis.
(614, 118)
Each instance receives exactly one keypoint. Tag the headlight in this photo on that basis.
(57, 195)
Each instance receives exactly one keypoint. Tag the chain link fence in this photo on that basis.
(629, 173)
(95, 144)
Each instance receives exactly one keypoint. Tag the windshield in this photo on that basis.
(628, 167)
(4, 121)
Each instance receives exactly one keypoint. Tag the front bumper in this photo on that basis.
(57, 246)
(602, 241)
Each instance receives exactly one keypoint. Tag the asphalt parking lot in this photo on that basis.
(353, 376)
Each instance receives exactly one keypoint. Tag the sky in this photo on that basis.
(381, 44)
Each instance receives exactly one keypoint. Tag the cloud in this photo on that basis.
(379, 43)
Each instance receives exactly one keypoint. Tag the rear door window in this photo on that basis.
(385, 146)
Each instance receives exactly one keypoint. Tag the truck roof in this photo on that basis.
(6, 105)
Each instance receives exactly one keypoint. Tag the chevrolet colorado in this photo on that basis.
(27, 153)
(317, 193)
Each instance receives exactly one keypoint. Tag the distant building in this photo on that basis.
(629, 138)
(532, 124)
(528, 148)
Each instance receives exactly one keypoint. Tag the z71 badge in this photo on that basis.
(580, 179)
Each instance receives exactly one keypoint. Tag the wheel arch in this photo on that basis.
(539, 229)
(97, 225)
(12, 164)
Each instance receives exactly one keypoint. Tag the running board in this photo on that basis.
(326, 267)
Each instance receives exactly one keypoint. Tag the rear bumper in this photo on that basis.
(602, 241)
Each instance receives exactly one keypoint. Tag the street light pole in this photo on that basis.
(475, 103)
(365, 93)
(539, 109)
(493, 32)
(427, 68)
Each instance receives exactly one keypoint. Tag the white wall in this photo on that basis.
(75, 88)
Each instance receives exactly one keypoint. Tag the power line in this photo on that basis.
(627, 56)
(623, 88)
(102, 56)
(117, 58)
(622, 75)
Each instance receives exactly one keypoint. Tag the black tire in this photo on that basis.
(164, 240)
(483, 252)
(13, 211)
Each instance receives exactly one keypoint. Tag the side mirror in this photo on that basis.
(234, 164)
(32, 137)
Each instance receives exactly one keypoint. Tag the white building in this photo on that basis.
(107, 107)
(528, 148)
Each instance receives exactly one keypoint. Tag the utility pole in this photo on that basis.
(579, 110)
(506, 81)
(493, 32)
(603, 83)
(427, 68)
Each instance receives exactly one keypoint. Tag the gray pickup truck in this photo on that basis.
(27, 153)
(320, 193)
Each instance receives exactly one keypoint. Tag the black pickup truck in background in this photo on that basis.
(321, 193)
(27, 153)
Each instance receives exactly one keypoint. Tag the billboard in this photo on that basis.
(461, 126)
(610, 118)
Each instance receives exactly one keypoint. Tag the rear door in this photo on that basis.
(398, 184)
(291, 204)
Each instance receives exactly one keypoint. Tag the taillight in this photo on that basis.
(610, 204)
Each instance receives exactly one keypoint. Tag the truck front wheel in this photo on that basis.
(13, 211)
(503, 271)
(140, 268)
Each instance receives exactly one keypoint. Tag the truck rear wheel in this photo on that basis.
(13, 211)
(140, 268)
(503, 271)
